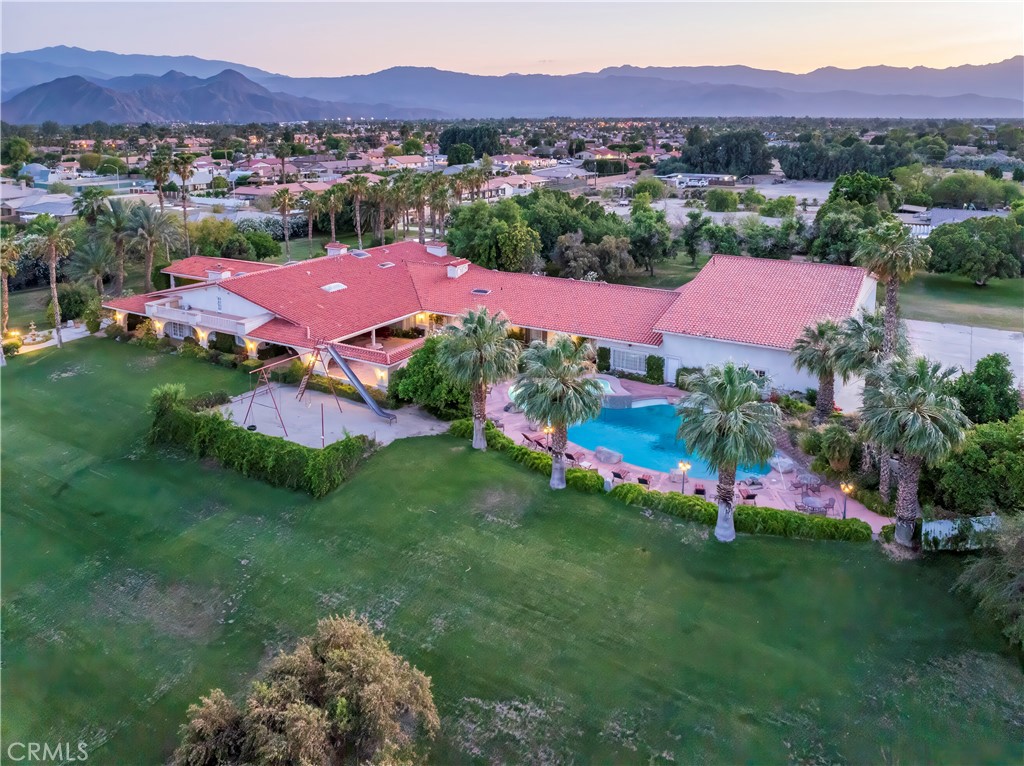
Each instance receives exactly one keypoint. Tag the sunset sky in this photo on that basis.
(308, 39)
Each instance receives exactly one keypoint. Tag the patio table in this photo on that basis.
(814, 505)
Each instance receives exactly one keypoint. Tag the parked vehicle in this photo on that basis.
(698, 182)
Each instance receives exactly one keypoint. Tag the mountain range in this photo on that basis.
(71, 85)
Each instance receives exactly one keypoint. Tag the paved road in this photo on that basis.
(963, 346)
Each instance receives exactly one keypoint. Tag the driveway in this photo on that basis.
(963, 346)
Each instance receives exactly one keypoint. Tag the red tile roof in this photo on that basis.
(133, 304)
(196, 266)
(760, 301)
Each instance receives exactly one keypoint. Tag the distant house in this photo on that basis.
(511, 160)
(412, 161)
(60, 206)
(598, 153)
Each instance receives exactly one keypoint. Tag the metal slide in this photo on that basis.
(358, 386)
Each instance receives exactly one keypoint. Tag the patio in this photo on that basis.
(777, 490)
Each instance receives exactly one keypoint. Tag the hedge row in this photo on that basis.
(177, 421)
(750, 519)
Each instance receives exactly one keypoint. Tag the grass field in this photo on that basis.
(557, 627)
(957, 300)
(301, 249)
(667, 274)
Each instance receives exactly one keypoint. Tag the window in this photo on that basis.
(761, 373)
(385, 265)
(360, 254)
(629, 361)
(177, 330)
(220, 303)
(333, 287)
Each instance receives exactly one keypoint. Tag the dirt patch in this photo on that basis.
(175, 609)
(498, 506)
(897, 552)
(512, 731)
(71, 371)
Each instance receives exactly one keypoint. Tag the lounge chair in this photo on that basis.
(645, 480)
(620, 475)
(754, 482)
(747, 496)
(698, 489)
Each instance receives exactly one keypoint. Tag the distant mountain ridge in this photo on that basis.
(178, 87)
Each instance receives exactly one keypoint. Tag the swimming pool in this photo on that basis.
(646, 436)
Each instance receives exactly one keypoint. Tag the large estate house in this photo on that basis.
(365, 303)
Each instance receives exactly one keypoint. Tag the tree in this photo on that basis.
(427, 383)
(722, 238)
(650, 238)
(893, 254)
(580, 260)
(477, 353)
(285, 202)
(912, 415)
(264, 247)
(412, 146)
(115, 225)
(978, 248)
(752, 199)
(49, 239)
(725, 422)
(92, 262)
(153, 228)
(460, 154)
(334, 199)
(556, 387)
(15, 149)
(692, 235)
(994, 171)
(10, 254)
(1018, 175)
(652, 187)
(865, 189)
(440, 201)
(357, 188)
(988, 392)
(518, 245)
(780, 207)
(721, 201)
(493, 236)
(986, 475)
(182, 165)
(815, 351)
(313, 203)
(89, 203)
(341, 697)
(418, 191)
(739, 152)
(283, 151)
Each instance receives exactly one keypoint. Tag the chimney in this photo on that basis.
(457, 268)
(336, 248)
(217, 272)
(439, 249)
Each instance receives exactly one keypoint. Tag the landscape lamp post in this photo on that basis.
(684, 467)
(548, 430)
(847, 488)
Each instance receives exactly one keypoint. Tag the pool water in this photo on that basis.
(646, 436)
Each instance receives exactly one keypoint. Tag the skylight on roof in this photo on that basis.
(385, 265)
(480, 291)
(333, 287)
(359, 254)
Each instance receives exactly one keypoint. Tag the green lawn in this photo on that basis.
(557, 627)
(668, 274)
(957, 300)
(301, 249)
(29, 306)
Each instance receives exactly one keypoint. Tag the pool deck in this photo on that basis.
(776, 493)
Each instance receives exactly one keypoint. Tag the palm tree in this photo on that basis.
(555, 387)
(477, 353)
(313, 203)
(334, 198)
(358, 187)
(282, 151)
(159, 170)
(152, 228)
(725, 422)
(440, 202)
(912, 414)
(893, 254)
(182, 165)
(92, 262)
(10, 254)
(402, 182)
(90, 203)
(377, 196)
(395, 205)
(115, 224)
(284, 201)
(418, 191)
(50, 239)
(814, 350)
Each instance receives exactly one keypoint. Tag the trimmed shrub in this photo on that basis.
(837, 446)
(584, 480)
(255, 455)
(73, 299)
(656, 369)
(12, 346)
(604, 359)
(250, 364)
(872, 500)
(224, 343)
(794, 407)
(115, 331)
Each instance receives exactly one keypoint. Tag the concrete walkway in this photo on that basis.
(302, 419)
(67, 334)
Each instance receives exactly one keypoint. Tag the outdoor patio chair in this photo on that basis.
(698, 489)
(620, 475)
(645, 480)
(747, 496)
(814, 486)
(830, 505)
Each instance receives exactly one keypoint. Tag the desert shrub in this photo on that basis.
(794, 407)
(810, 442)
(872, 500)
(655, 369)
(250, 364)
(145, 334)
(190, 349)
(208, 400)
(12, 346)
(604, 359)
(255, 455)
(114, 330)
(996, 579)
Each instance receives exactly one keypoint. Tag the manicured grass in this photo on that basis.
(557, 627)
(301, 249)
(29, 306)
(957, 300)
(668, 274)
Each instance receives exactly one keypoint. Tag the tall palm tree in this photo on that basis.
(50, 239)
(334, 199)
(395, 205)
(477, 353)
(440, 202)
(159, 170)
(115, 225)
(418, 197)
(10, 254)
(893, 254)
(814, 351)
(555, 387)
(90, 203)
(403, 181)
(377, 197)
(912, 414)
(152, 228)
(313, 203)
(282, 151)
(725, 422)
(182, 165)
(358, 188)
(92, 262)
(285, 201)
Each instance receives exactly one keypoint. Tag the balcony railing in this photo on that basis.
(377, 356)
(196, 318)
